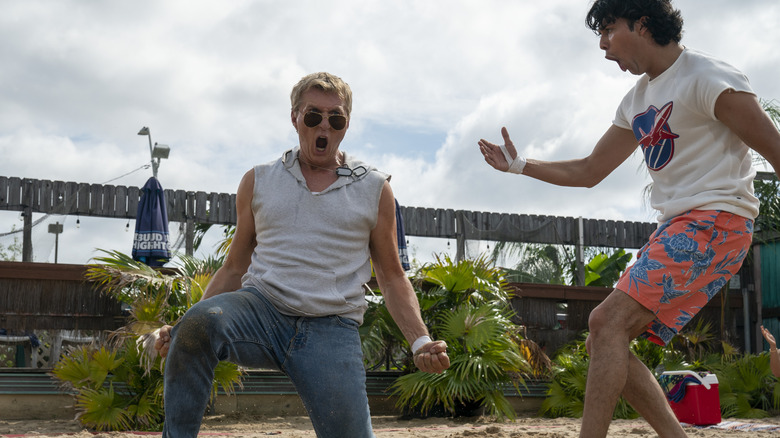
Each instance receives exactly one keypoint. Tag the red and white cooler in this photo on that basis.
(700, 404)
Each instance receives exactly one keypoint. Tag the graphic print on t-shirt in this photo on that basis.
(655, 136)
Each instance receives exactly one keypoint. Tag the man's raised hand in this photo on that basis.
(500, 157)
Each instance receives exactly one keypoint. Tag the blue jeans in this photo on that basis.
(322, 357)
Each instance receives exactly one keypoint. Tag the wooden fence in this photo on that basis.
(71, 198)
(546, 322)
(44, 296)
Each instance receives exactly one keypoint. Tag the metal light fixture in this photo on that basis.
(56, 229)
(157, 152)
(160, 151)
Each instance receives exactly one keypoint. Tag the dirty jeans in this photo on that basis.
(321, 356)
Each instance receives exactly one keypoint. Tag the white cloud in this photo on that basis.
(212, 80)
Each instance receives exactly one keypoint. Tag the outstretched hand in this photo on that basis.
(163, 342)
(432, 357)
(769, 338)
(495, 156)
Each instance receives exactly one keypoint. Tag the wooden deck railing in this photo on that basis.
(70, 198)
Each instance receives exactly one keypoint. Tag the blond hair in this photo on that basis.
(323, 81)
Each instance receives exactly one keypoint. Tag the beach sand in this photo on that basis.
(392, 427)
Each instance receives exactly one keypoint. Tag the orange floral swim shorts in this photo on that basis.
(687, 260)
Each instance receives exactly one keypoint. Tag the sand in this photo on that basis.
(393, 427)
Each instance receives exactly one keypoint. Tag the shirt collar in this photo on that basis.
(355, 169)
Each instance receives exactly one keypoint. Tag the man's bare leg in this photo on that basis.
(613, 324)
(644, 393)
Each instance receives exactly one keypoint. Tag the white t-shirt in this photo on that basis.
(696, 162)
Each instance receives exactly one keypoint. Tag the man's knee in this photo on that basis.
(617, 315)
(598, 321)
(197, 324)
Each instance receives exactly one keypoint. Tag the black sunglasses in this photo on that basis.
(336, 121)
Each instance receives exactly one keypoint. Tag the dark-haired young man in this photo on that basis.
(695, 119)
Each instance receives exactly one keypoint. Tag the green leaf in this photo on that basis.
(102, 409)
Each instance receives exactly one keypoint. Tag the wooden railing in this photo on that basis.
(71, 198)
(42, 296)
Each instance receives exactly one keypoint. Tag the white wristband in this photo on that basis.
(516, 165)
(422, 340)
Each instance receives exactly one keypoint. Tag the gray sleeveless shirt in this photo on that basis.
(312, 256)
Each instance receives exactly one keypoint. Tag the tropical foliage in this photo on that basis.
(746, 385)
(11, 251)
(119, 386)
(556, 264)
(768, 220)
(604, 269)
(545, 264)
(465, 304)
(566, 391)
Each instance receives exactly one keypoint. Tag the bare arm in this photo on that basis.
(774, 355)
(228, 277)
(743, 114)
(614, 147)
(398, 292)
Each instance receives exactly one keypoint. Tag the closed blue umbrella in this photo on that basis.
(150, 244)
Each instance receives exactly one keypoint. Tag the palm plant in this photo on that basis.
(441, 286)
(551, 264)
(566, 391)
(383, 343)
(466, 304)
(119, 386)
(536, 263)
(696, 341)
(13, 251)
(112, 390)
(768, 220)
(604, 269)
(746, 385)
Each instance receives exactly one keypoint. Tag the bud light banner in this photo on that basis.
(150, 244)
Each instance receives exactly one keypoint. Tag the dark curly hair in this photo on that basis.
(662, 20)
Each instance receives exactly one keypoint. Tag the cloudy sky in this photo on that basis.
(430, 78)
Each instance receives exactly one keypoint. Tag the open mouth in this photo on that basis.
(322, 143)
(617, 61)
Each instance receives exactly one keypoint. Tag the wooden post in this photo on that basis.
(580, 252)
(460, 236)
(28, 198)
(189, 237)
